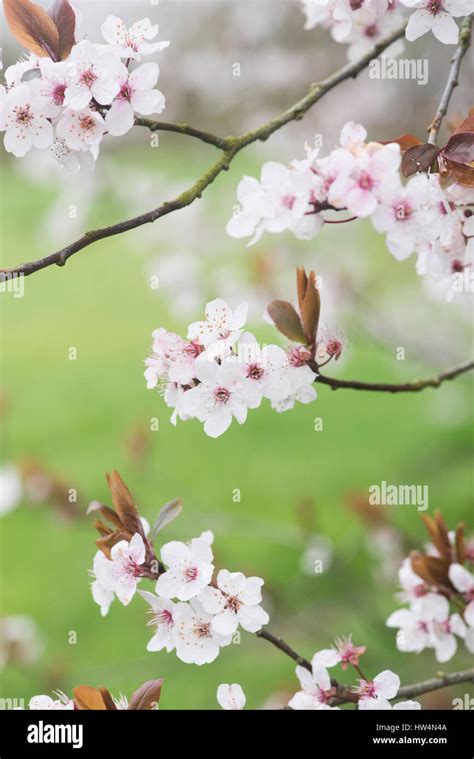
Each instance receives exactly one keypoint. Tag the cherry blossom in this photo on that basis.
(81, 130)
(121, 573)
(436, 16)
(23, 119)
(343, 652)
(134, 42)
(220, 396)
(382, 688)
(95, 75)
(195, 639)
(162, 611)
(231, 697)
(463, 581)
(100, 594)
(136, 95)
(316, 689)
(281, 200)
(189, 569)
(222, 326)
(235, 601)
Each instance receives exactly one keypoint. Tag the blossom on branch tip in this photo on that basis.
(134, 42)
(189, 569)
(235, 601)
(316, 689)
(195, 639)
(121, 573)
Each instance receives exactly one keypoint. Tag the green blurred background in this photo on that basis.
(82, 418)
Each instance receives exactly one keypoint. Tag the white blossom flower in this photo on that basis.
(195, 640)
(100, 594)
(382, 688)
(23, 119)
(231, 697)
(134, 42)
(463, 581)
(189, 569)
(81, 130)
(344, 652)
(236, 600)
(95, 75)
(136, 95)
(220, 396)
(122, 572)
(436, 16)
(222, 326)
(316, 690)
(162, 611)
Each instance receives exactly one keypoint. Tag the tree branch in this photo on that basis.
(345, 695)
(165, 126)
(461, 50)
(436, 683)
(230, 146)
(405, 387)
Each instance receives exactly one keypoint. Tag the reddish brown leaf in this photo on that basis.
(124, 505)
(418, 158)
(287, 320)
(87, 698)
(438, 534)
(310, 309)
(467, 125)
(147, 696)
(32, 28)
(406, 141)
(460, 148)
(301, 284)
(107, 699)
(431, 569)
(65, 20)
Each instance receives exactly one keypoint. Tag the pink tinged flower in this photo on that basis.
(136, 95)
(265, 368)
(463, 581)
(385, 686)
(221, 395)
(231, 697)
(373, 171)
(189, 569)
(195, 639)
(122, 572)
(96, 74)
(413, 586)
(344, 651)
(162, 618)
(222, 325)
(81, 130)
(236, 600)
(435, 16)
(23, 119)
(51, 85)
(316, 690)
(353, 137)
(404, 214)
(133, 42)
(443, 636)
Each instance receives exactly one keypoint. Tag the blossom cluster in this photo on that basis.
(318, 689)
(428, 622)
(362, 23)
(363, 178)
(220, 371)
(190, 612)
(68, 106)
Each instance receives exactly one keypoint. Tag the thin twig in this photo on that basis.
(461, 50)
(405, 387)
(345, 695)
(199, 134)
(230, 146)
